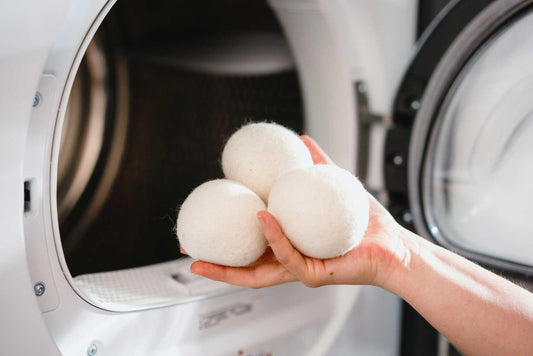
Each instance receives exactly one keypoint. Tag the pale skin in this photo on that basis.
(478, 311)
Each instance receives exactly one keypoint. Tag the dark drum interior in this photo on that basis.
(142, 129)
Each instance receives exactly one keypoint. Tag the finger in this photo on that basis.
(260, 276)
(182, 250)
(286, 254)
(318, 155)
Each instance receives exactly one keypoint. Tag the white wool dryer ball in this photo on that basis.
(257, 154)
(323, 210)
(217, 223)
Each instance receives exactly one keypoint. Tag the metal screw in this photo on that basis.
(407, 217)
(39, 289)
(92, 350)
(37, 99)
(397, 160)
(415, 105)
(361, 86)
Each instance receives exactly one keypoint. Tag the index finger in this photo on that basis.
(286, 254)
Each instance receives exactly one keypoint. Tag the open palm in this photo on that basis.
(281, 263)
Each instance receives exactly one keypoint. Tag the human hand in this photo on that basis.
(371, 262)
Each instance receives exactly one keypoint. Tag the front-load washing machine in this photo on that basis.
(112, 113)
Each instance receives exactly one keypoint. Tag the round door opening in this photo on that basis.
(155, 97)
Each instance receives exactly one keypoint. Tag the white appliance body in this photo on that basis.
(335, 44)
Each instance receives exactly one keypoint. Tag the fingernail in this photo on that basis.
(261, 219)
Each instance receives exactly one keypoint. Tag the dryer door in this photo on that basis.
(470, 165)
(460, 164)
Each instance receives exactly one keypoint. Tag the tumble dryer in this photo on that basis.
(112, 113)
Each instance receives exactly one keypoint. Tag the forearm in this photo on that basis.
(478, 311)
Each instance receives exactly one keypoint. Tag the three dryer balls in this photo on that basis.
(323, 210)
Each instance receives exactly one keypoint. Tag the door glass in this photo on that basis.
(478, 177)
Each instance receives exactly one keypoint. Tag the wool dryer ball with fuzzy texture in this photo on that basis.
(323, 210)
(217, 223)
(257, 154)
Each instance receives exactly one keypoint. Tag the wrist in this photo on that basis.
(405, 254)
